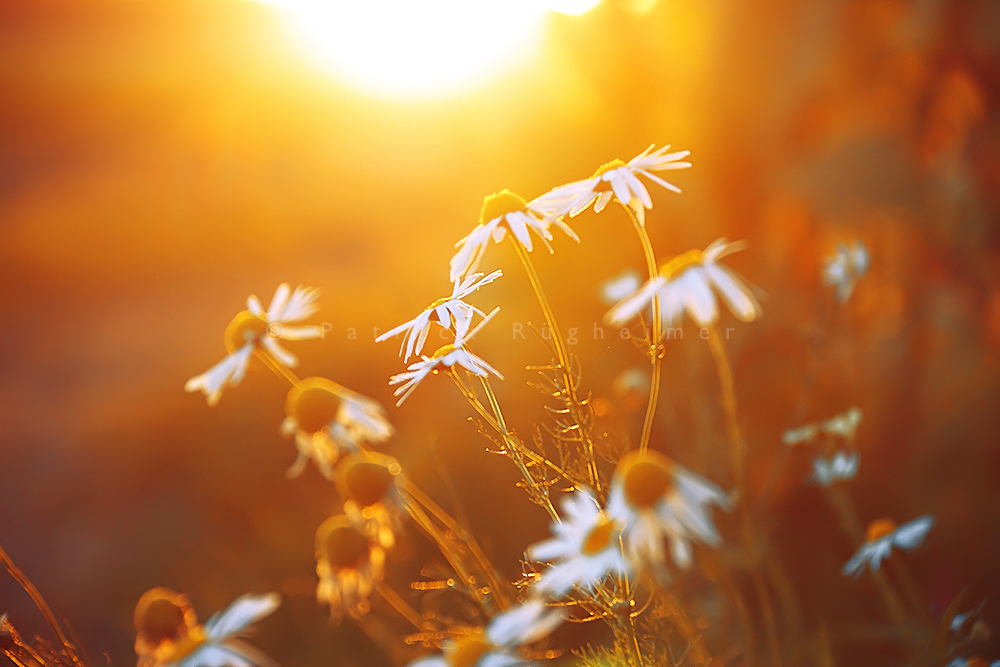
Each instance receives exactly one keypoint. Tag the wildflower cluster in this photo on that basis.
(630, 520)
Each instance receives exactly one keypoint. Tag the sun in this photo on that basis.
(420, 47)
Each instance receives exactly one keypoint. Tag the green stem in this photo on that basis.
(655, 351)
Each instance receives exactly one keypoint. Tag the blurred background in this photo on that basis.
(161, 161)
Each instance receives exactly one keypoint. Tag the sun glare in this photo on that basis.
(414, 47)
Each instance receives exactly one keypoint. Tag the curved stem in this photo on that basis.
(564, 363)
(655, 351)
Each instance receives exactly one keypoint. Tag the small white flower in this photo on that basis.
(619, 287)
(168, 635)
(973, 662)
(656, 498)
(493, 646)
(844, 425)
(256, 330)
(616, 179)
(348, 564)
(842, 466)
(326, 418)
(881, 537)
(584, 550)
(445, 356)
(686, 282)
(503, 212)
(450, 312)
(845, 268)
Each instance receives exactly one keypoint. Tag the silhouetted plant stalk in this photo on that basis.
(19, 651)
(568, 391)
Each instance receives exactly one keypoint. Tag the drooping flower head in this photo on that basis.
(502, 212)
(367, 482)
(584, 550)
(254, 330)
(168, 633)
(326, 419)
(348, 564)
(881, 536)
(450, 312)
(686, 283)
(655, 498)
(618, 180)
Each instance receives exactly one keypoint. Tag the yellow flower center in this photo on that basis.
(610, 166)
(466, 651)
(679, 264)
(186, 646)
(599, 537)
(976, 661)
(879, 529)
(344, 546)
(646, 478)
(437, 303)
(366, 481)
(314, 403)
(501, 203)
(244, 328)
(159, 619)
(443, 350)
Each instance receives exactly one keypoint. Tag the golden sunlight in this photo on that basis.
(413, 47)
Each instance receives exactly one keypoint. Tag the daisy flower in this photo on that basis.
(503, 212)
(844, 269)
(255, 330)
(366, 481)
(584, 550)
(881, 537)
(686, 282)
(168, 633)
(450, 312)
(619, 180)
(326, 418)
(348, 564)
(445, 356)
(655, 498)
(493, 646)
(842, 466)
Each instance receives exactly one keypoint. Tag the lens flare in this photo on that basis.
(408, 47)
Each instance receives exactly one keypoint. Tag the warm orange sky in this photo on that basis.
(160, 161)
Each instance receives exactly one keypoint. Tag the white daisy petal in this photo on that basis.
(277, 306)
(241, 614)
